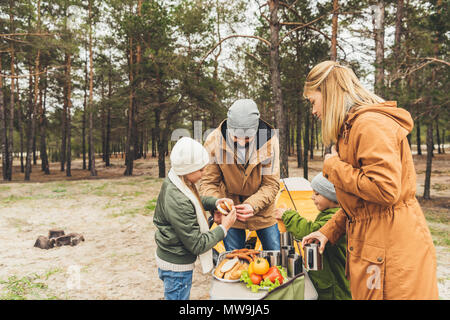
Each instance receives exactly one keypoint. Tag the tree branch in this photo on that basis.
(229, 37)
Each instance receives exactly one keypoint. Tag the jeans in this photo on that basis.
(177, 285)
(269, 237)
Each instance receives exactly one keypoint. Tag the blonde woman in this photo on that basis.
(390, 253)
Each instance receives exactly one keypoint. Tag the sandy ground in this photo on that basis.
(114, 213)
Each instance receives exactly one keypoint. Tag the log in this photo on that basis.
(42, 242)
(76, 238)
(63, 241)
(55, 233)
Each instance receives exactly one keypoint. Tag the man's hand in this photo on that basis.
(244, 211)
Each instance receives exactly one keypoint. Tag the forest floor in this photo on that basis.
(114, 213)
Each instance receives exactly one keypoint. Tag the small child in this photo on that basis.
(182, 229)
(330, 282)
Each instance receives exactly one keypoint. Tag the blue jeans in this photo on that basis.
(177, 285)
(269, 237)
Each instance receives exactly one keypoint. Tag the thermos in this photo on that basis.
(294, 265)
(285, 252)
(274, 258)
(285, 239)
(313, 259)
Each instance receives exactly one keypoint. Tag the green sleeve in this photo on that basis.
(209, 203)
(181, 215)
(299, 226)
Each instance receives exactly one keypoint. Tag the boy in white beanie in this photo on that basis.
(330, 283)
(182, 229)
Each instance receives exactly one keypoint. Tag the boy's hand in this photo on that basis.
(279, 213)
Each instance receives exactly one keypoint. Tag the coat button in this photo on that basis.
(379, 259)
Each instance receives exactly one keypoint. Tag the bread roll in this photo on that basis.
(217, 272)
(233, 274)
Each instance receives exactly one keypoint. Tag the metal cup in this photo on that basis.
(285, 252)
(274, 258)
(294, 265)
(313, 259)
(285, 239)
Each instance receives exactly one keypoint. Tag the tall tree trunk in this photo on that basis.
(299, 135)
(32, 126)
(444, 132)
(378, 28)
(91, 96)
(438, 138)
(83, 125)
(108, 118)
(427, 185)
(3, 126)
(160, 144)
(42, 126)
(129, 149)
(334, 30)
(69, 117)
(20, 126)
(398, 27)
(277, 98)
(418, 139)
(64, 122)
(10, 152)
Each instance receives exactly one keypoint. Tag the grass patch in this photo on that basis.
(27, 287)
(150, 206)
(127, 212)
(440, 237)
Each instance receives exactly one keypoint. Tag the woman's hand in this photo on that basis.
(315, 237)
(244, 211)
(332, 154)
(229, 219)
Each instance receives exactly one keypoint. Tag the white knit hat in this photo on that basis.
(188, 156)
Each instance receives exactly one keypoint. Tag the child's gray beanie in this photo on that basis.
(322, 186)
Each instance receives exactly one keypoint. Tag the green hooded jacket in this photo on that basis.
(330, 282)
(178, 236)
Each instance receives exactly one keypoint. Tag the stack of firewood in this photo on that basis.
(57, 238)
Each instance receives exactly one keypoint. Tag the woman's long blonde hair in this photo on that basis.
(341, 90)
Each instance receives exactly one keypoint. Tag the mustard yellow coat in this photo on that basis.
(390, 253)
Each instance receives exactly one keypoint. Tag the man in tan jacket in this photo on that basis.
(245, 167)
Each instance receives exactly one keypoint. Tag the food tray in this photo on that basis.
(219, 259)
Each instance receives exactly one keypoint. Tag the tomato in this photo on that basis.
(261, 266)
(255, 278)
(272, 274)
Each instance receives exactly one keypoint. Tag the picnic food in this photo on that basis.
(273, 278)
(224, 207)
(244, 254)
(260, 266)
(230, 269)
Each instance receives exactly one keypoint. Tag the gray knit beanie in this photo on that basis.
(322, 186)
(243, 118)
